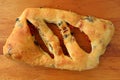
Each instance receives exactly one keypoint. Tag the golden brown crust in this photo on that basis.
(20, 44)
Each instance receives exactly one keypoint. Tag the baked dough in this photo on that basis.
(21, 46)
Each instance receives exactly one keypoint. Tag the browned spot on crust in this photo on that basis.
(17, 56)
(105, 27)
(65, 29)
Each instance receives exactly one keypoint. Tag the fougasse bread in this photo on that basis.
(23, 43)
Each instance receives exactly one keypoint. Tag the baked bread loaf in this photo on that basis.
(23, 43)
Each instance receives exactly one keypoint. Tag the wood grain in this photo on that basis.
(109, 68)
(11, 70)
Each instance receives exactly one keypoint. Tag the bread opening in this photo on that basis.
(56, 31)
(38, 40)
(81, 38)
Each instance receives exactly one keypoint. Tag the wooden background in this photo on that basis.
(109, 67)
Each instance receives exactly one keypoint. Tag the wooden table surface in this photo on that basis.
(109, 67)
